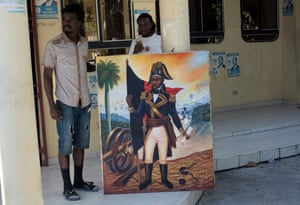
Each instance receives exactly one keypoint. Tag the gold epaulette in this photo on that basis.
(143, 95)
(172, 98)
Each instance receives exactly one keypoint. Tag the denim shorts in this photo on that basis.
(74, 127)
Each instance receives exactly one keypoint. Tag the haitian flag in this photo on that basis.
(135, 86)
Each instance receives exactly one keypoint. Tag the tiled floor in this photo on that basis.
(255, 134)
(258, 133)
(252, 134)
(269, 183)
(52, 189)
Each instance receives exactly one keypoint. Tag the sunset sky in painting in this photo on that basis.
(189, 71)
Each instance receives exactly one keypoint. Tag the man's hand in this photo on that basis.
(184, 133)
(139, 47)
(129, 100)
(55, 113)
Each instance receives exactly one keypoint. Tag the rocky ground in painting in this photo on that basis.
(199, 175)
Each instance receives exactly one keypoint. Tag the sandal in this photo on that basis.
(71, 195)
(87, 186)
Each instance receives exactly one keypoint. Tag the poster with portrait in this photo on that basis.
(287, 7)
(16, 6)
(233, 69)
(155, 122)
(46, 9)
(218, 60)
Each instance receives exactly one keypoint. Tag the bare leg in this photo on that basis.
(64, 161)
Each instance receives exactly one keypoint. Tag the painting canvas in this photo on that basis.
(156, 137)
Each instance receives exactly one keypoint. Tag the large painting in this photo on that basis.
(155, 122)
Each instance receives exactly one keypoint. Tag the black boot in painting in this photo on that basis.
(148, 180)
(164, 175)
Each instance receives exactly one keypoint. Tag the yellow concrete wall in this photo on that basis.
(175, 32)
(288, 59)
(20, 174)
(267, 69)
(297, 39)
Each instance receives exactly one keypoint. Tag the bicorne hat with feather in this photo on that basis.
(160, 69)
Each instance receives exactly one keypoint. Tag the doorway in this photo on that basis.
(37, 84)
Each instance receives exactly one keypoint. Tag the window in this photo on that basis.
(206, 21)
(259, 21)
(115, 20)
(107, 25)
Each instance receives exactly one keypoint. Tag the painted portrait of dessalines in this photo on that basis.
(155, 122)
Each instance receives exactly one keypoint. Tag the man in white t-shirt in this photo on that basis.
(148, 41)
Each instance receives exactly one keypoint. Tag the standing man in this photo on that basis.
(148, 41)
(157, 105)
(66, 55)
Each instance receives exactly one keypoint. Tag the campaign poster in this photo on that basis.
(217, 62)
(288, 8)
(16, 6)
(155, 122)
(46, 9)
(233, 69)
(93, 85)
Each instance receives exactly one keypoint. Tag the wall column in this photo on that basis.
(174, 23)
(297, 25)
(20, 173)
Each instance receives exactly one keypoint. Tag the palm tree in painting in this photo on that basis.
(108, 77)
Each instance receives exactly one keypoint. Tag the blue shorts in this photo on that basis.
(74, 127)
